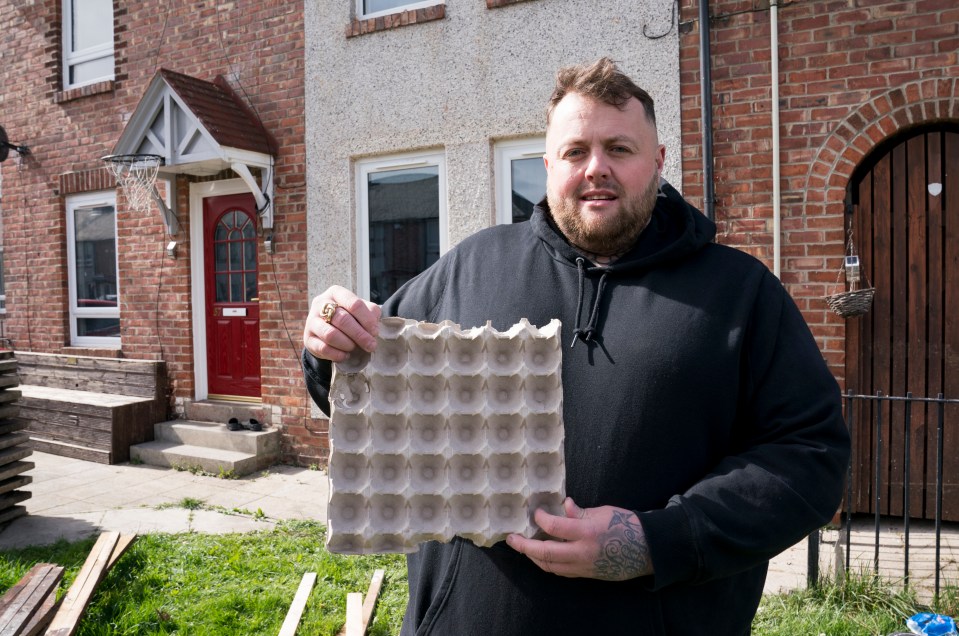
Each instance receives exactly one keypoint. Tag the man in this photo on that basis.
(703, 431)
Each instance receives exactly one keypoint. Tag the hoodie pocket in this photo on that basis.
(443, 592)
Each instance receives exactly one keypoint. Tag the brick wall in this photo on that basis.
(851, 73)
(259, 47)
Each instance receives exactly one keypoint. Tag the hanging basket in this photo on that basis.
(851, 303)
(854, 302)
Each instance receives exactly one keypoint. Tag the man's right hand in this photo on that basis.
(353, 322)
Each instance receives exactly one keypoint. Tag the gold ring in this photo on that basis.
(328, 310)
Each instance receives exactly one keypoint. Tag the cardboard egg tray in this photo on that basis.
(445, 432)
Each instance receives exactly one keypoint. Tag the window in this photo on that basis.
(92, 266)
(374, 8)
(402, 224)
(520, 178)
(87, 42)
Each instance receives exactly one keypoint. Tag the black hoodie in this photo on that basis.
(693, 394)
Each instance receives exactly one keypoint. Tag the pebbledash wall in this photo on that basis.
(852, 73)
(259, 48)
(457, 78)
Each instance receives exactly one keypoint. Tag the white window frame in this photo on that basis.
(412, 4)
(71, 58)
(366, 167)
(73, 203)
(504, 152)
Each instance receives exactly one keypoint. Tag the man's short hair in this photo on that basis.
(602, 81)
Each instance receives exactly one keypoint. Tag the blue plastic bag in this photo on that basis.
(929, 624)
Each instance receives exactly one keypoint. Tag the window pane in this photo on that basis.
(92, 70)
(372, 6)
(220, 264)
(249, 253)
(236, 255)
(98, 327)
(92, 23)
(250, 290)
(236, 288)
(96, 258)
(528, 178)
(222, 291)
(404, 226)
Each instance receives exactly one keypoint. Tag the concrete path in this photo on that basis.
(73, 499)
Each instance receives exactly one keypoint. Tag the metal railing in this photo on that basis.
(888, 413)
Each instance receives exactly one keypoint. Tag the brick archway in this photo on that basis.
(863, 129)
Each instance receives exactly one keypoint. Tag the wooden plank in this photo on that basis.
(863, 433)
(12, 423)
(13, 454)
(12, 498)
(79, 397)
(38, 624)
(8, 485)
(369, 602)
(8, 396)
(916, 312)
(38, 585)
(13, 439)
(75, 451)
(950, 195)
(123, 544)
(78, 596)
(882, 308)
(12, 513)
(354, 614)
(292, 620)
(15, 468)
(893, 427)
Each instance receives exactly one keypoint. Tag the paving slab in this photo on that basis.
(72, 499)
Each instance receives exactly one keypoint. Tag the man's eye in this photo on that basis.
(620, 149)
(575, 152)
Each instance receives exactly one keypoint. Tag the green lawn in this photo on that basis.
(244, 583)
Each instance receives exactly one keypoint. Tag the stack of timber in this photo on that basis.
(14, 443)
(30, 607)
(88, 407)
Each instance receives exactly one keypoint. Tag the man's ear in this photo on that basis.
(661, 157)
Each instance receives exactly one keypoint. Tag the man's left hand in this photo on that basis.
(604, 543)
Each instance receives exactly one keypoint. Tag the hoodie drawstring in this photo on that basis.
(586, 334)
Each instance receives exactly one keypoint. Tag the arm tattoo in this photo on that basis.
(624, 552)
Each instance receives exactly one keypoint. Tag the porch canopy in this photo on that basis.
(201, 128)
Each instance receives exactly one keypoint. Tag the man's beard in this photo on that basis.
(605, 236)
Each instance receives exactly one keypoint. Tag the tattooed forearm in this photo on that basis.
(624, 553)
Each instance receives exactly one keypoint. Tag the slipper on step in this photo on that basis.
(234, 424)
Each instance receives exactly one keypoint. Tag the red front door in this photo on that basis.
(232, 309)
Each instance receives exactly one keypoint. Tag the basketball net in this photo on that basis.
(137, 175)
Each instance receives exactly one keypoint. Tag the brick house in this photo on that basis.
(88, 276)
(868, 110)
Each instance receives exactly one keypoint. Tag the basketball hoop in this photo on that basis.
(137, 175)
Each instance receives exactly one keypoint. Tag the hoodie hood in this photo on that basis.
(675, 230)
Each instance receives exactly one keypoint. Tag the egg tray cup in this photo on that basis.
(445, 432)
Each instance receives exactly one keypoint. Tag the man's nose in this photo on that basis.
(597, 167)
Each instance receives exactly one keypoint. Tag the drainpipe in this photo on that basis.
(774, 79)
(706, 103)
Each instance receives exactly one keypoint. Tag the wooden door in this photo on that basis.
(232, 296)
(905, 222)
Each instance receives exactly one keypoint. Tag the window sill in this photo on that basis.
(395, 20)
(106, 86)
(96, 352)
